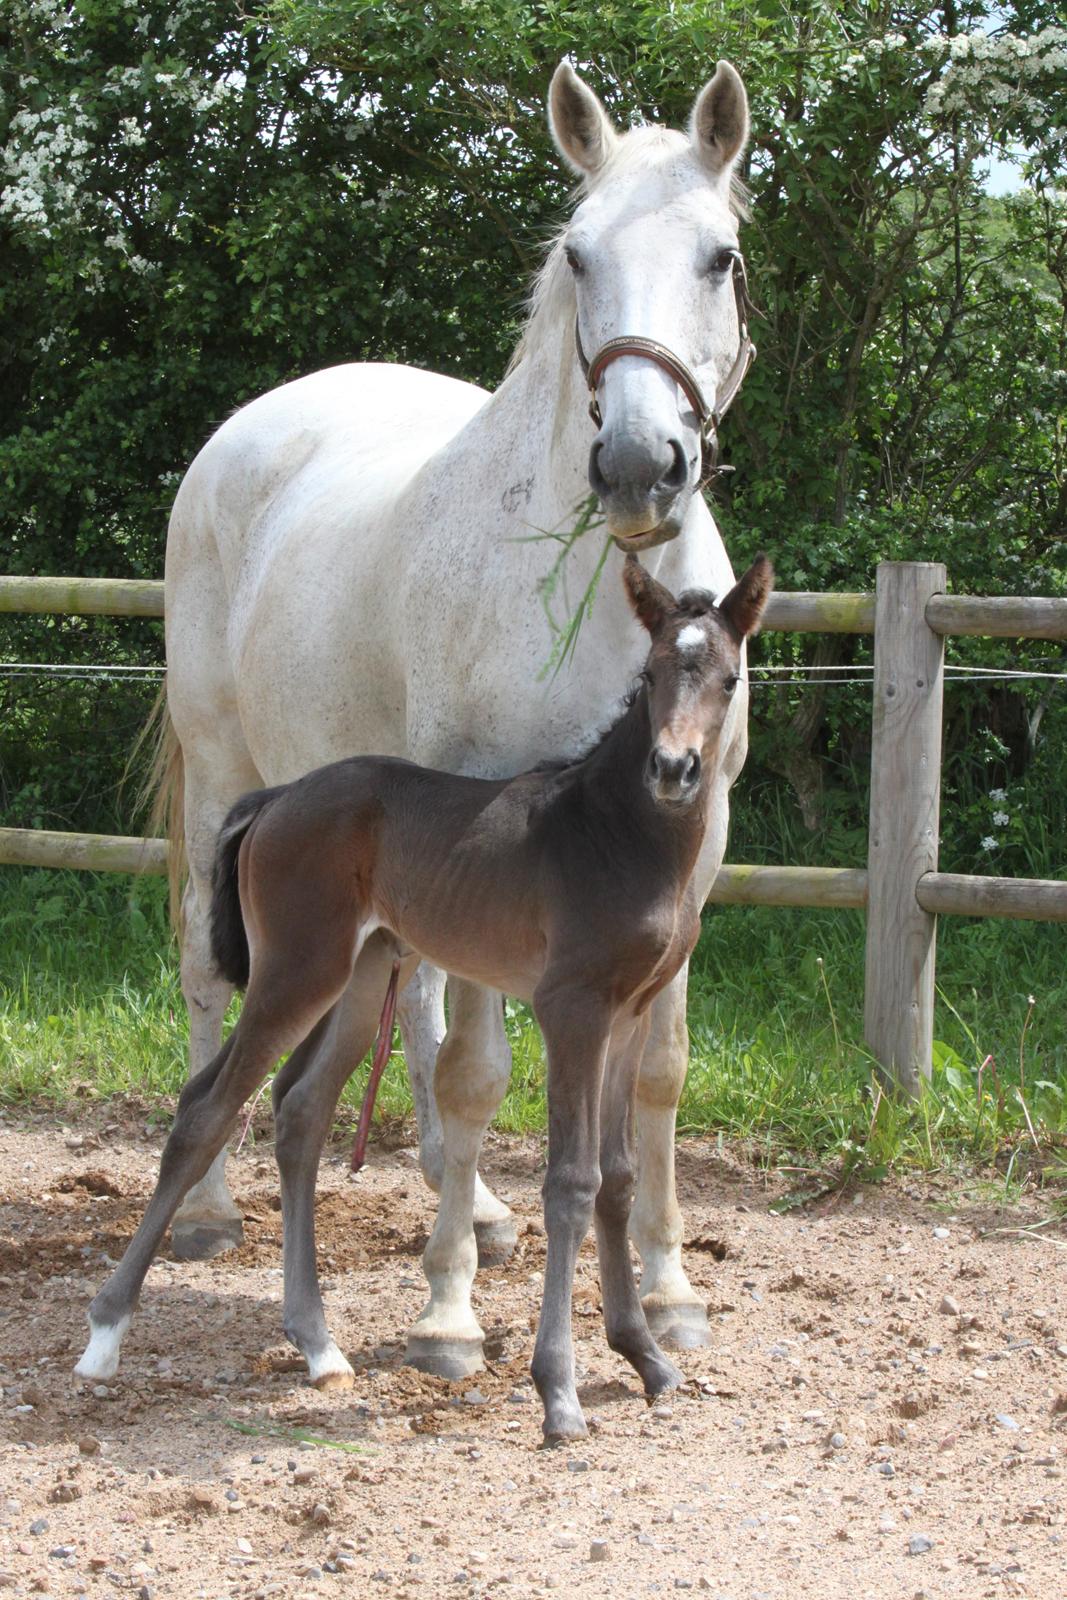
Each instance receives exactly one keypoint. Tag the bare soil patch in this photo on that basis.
(852, 1432)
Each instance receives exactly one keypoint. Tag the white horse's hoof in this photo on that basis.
(449, 1357)
(202, 1241)
(496, 1240)
(329, 1371)
(101, 1357)
(681, 1326)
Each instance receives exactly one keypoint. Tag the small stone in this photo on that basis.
(886, 1468)
(61, 1552)
(837, 1441)
(305, 1445)
(942, 1233)
(599, 1550)
(576, 1464)
(565, 1541)
(39, 1525)
(307, 1569)
(320, 1514)
(244, 1546)
(202, 1498)
(88, 1445)
(949, 1307)
(919, 1544)
(231, 1494)
(474, 1397)
(304, 1475)
(1007, 1422)
(101, 1391)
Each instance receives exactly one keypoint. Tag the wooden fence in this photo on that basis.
(901, 890)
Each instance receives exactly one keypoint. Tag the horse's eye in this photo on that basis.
(574, 261)
(647, 678)
(730, 683)
(723, 262)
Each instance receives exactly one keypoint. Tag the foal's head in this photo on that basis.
(692, 671)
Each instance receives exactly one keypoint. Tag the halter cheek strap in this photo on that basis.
(708, 417)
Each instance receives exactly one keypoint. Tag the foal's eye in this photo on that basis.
(723, 262)
(730, 683)
(574, 261)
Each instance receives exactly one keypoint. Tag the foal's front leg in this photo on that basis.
(576, 1028)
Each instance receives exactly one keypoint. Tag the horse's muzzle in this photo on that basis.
(644, 485)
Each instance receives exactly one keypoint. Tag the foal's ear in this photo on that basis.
(650, 600)
(719, 123)
(743, 606)
(582, 130)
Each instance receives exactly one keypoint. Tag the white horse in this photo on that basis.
(339, 554)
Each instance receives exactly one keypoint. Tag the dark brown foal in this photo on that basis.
(570, 886)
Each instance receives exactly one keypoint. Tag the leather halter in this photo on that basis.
(708, 417)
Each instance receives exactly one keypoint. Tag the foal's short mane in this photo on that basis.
(551, 303)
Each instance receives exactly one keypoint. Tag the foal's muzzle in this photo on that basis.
(673, 778)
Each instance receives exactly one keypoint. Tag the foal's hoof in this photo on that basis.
(496, 1241)
(683, 1326)
(564, 1429)
(444, 1357)
(202, 1241)
(100, 1358)
(662, 1378)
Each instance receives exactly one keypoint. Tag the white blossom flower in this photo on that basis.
(998, 794)
(1001, 819)
(989, 843)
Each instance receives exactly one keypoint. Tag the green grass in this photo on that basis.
(90, 1006)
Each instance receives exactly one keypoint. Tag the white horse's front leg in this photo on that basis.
(674, 1310)
(473, 1067)
(421, 1015)
(676, 1314)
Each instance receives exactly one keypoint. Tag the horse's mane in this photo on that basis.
(551, 298)
(564, 764)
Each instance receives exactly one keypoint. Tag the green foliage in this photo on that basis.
(203, 199)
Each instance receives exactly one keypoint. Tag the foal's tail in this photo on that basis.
(229, 941)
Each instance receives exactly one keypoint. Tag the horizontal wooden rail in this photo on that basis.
(801, 612)
(996, 617)
(959, 894)
(1000, 617)
(83, 597)
(832, 887)
(829, 888)
(92, 852)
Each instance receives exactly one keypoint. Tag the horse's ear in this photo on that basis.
(580, 126)
(743, 607)
(719, 123)
(651, 602)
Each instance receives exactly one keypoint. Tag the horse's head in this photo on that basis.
(653, 250)
(692, 671)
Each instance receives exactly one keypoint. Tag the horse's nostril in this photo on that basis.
(654, 765)
(677, 475)
(692, 768)
(597, 481)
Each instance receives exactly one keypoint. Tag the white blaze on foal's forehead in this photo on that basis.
(692, 637)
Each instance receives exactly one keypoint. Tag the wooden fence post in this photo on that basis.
(898, 1011)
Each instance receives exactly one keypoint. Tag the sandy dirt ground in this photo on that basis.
(883, 1411)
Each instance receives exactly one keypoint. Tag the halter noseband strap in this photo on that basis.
(708, 417)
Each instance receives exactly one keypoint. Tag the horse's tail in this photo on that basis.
(161, 794)
(229, 941)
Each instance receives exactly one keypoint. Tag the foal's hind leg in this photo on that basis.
(473, 1066)
(284, 1002)
(624, 1318)
(421, 1015)
(306, 1092)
